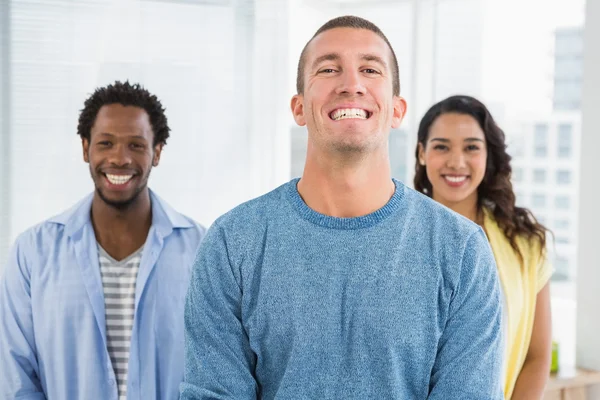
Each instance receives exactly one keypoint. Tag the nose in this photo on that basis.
(351, 82)
(456, 160)
(120, 155)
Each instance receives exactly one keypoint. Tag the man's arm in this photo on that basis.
(219, 363)
(468, 365)
(19, 370)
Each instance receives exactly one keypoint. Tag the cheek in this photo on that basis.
(93, 162)
(147, 162)
(434, 164)
(307, 108)
(478, 166)
(382, 95)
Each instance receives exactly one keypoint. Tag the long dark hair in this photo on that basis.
(495, 191)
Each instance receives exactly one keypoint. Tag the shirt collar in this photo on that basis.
(164, 217)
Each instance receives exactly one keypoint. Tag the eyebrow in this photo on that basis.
(473, 139)
(325, 57)
(374, 58)
(336, 57)
(134, 136)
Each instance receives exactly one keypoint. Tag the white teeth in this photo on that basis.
(455, 179)
(349, 113)
(118, 179)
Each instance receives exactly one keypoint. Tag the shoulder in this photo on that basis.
(239, 229)
(192, 228)
(455, 245)
(41, 234)
(34, 246)
(530, 247)
(183, 224)
(437, 220)
(256, 212)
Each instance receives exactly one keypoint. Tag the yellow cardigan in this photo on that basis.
(521, 284)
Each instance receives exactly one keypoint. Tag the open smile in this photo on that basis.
(349, 113)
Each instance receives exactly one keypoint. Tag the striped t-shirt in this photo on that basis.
(118, 281)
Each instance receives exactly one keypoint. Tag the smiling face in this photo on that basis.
(348, 103)
(455, 157)
(121, 154)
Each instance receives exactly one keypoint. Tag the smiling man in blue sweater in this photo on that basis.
(344, 284)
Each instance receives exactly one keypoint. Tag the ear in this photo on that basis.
(157, 151)
(298, 109)
(421, 154)
(85, 145)
(399, 111)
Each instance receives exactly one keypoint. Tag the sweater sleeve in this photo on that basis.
(219, 363)
(468, 364)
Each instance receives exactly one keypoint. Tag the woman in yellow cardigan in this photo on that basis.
(462, 163)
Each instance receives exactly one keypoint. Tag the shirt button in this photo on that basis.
(111, 382)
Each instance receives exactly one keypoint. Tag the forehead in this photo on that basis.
(117, 119)
(348, 42)
(455, 125)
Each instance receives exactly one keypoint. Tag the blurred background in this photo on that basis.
(225, 71)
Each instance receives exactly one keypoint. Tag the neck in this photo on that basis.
(467, 208)
(346, 188)
(120, 232)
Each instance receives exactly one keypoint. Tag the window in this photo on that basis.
(569, 41)
(538, 200)
(562, 202)
(565, 137)
(516, 147)
(61, 51)
(562, 224)
(561, 269)
(539, 176)
(568, 68)
(541, 140)
(541, 218)
(520, 198)
(517, 174)
(563, 177)
(567, 95)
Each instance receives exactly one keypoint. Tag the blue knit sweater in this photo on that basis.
(287, 303)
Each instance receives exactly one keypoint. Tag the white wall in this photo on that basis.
(4, 132)
(588, 277)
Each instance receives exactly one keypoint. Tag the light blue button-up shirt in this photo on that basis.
(52, 317)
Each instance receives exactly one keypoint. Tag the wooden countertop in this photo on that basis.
(569, 377)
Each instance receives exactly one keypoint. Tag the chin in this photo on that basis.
(453, 198)
(120, 201)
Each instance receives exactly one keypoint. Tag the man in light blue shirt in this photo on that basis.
(91, 301)
(344, 284)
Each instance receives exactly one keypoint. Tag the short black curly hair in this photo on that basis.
(125, 94)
